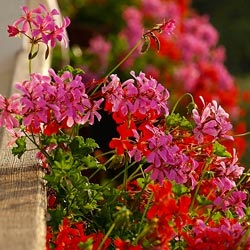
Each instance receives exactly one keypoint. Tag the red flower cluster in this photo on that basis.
(72, 236)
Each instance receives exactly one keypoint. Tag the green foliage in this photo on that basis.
(220, 150)
(180, 189)
(20, 148)
(176, 120)
(69, 68)
(75, 194)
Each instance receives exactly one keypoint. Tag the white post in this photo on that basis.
(9, 46)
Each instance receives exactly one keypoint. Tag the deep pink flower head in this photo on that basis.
(139, 95)
(58, 100)
(214, 121)
(9, 108)
(225, 234)
(39, 26)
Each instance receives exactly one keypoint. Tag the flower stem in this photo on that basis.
(106, 236)
(142, 219)
(180, 98)
(126, 57)
(208, 161)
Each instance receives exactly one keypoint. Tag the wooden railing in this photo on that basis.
(22, 189)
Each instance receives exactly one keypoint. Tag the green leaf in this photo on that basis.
(216, 216)
(73, 71)
(81, 148)
(176, 120)
(20, 148)
(56, 217)
(91, 162)
(180, 189)
(202, 200)
(63, 160)
(220, 150)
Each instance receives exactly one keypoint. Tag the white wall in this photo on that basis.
(9, 11)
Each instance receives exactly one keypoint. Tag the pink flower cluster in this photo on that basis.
(39, 26)
(138, 96)
(213, 121)
(228, 234)
(49, 103)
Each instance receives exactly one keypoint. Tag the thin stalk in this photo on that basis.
(135, 173)
(106, 236)
(143, 217)
(180, 98)
(114, 178)
(126, 57)
(243, 134)
(199, 184)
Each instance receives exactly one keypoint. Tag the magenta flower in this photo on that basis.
(23, 23)
(162, 153)
(228, 167)
(227, 200)
(33, 101)
(113, 93)
(213, 121)
(91, 112)
(235, 200)
(9, 109)
(139, 95)
(12, 30)
(226, 234)
(39, 26)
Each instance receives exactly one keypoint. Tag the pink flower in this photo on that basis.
(27, 19)
(226, 234)
(91, 112)
(12, 30)
(39, 26)
(14, 134)
(113, 93)
(162, 153)
(9, 108)
(235, 200)
(133, 19)
(227, 200)
(33, 101)
(229, 167)
(213, 121)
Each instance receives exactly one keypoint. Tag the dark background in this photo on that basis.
(232, 20)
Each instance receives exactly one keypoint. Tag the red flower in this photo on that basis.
(121, 145)
(125, 245)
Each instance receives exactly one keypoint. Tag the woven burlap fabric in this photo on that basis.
(22, 201)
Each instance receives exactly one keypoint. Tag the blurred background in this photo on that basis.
(232, 20)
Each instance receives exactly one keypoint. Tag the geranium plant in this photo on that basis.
(169, 181)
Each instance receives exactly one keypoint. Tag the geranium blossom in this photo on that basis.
(223, 235)
(213, 121)
(39, 26)
(8, 108)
